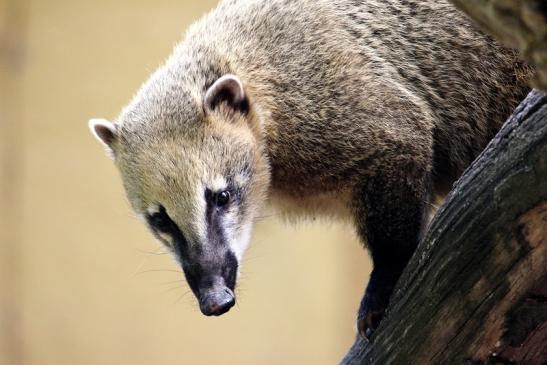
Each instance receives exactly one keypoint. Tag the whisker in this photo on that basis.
(172, 282)
(158, 270)
(261, 217)
(252, 258)
(159, 252)
(181, 296)
(172, 289)
(146, 259)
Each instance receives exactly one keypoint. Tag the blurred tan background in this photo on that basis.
(81, 280)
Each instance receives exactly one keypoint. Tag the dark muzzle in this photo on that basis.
(216, 300)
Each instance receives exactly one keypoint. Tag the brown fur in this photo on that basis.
(360, 109)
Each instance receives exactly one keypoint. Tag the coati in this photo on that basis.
(357, 110)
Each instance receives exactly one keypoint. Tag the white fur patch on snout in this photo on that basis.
(240, 242)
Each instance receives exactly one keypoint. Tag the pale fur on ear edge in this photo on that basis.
(227, 89)
(106, 132)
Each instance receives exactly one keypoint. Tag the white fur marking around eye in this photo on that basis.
(141, 217)
(152, 209)
(166, 238)
(219, 183)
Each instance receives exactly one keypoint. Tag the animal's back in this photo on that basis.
(322, 71)
(470, 83)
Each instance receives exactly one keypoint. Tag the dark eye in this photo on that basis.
(161, 220)
(222, 198)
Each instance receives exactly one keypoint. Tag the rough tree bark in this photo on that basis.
(475, 292)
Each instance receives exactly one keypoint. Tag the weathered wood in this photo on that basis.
(521, 24)
(475, 292)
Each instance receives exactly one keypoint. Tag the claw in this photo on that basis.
(364, 331)
(369, 323)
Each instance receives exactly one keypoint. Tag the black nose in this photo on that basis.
(216, 302)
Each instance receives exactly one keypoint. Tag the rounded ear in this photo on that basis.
(227, 90)
(106, 132)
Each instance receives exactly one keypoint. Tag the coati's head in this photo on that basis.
(193, 167)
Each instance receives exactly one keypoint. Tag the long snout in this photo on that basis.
(212, 277)
(216, 300)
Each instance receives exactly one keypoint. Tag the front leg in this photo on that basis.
(390, 218)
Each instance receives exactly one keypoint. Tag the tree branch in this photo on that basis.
(475, 291)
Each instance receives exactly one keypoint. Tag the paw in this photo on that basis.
(373, 305)
(368, 323)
